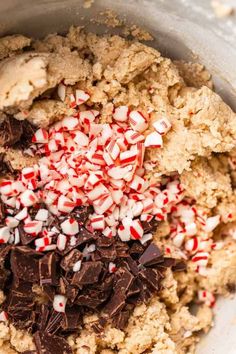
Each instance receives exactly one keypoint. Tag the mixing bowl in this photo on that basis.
(185, 29)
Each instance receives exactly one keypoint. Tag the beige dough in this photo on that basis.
(115, 72)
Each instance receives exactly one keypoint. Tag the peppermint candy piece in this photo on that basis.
(70, 227)
(137, 121)
(162, 126)
(40, 136)
(121, 113)
(153, 140)
(5, 234)
(59, 303)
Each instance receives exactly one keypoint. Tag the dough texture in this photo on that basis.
(200, 148)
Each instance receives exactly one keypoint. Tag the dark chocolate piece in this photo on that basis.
(115, 305)
(24, 237)
(70, 259)
(72, 319)
(24, 264)
(151, 277)
(152, 255)
(51, 344)
(120, 321)
(123, 280)
(179, 266)
(47, 270)
(54, 322)
(88, 274)
(10, 131)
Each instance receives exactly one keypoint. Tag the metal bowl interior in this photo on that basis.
(182, 29)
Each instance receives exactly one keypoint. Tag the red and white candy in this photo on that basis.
(59, 303)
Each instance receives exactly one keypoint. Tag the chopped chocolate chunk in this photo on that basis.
(44, 313)
(54, 322)
(167, 262)
(70, 259)
(120, 321)
(105, 241)
(67, 289)
(47, 270)
(29, 352)
(88, 274)
(123, 280)
(107, 253)
(3, 277)
(151, 226)
(179, 266)
(24, 237)
(2, 210)
(151, 277)
(6, 168)
(10, 131)
(49, 291)
(136, 249)
(24, 264)
(51, 344)
(152, 255)
(134, 289)
(20, 307)
(28, 131)
(96, 326)
(116, 304)
(72, 319)
(82, 213)
(84, 236)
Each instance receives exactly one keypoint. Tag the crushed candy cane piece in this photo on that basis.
(154, 139)
(59, 303)
(162, 126)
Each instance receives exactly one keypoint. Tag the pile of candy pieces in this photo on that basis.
(83, 162)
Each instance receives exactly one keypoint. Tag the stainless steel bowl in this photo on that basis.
(185, 29)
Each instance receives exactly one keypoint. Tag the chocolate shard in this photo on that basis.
(72, 319)
(67, 289)
(88, 274)
(24, 237)
(30, 352)
(134, 289)
(54, 322)
(152, 255)
(151, 226)
(49, 291)
(151, 277)
(98, 329)
(25, 264)
(136, 249)
(70, 259)
(123, 280)
(20, 306)
(180, 266)
(28, 131)
(120, 321)
(103, 241)
(115, 304)
(92, 298)
(2, 208)
(47, 270)
(168, 262)
(4, 274)
(83, 237)
(51, 344)
(43, 316)
(10, 131)
(82, 213)
(107, 253)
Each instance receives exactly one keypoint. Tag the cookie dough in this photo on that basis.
(199, 149)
